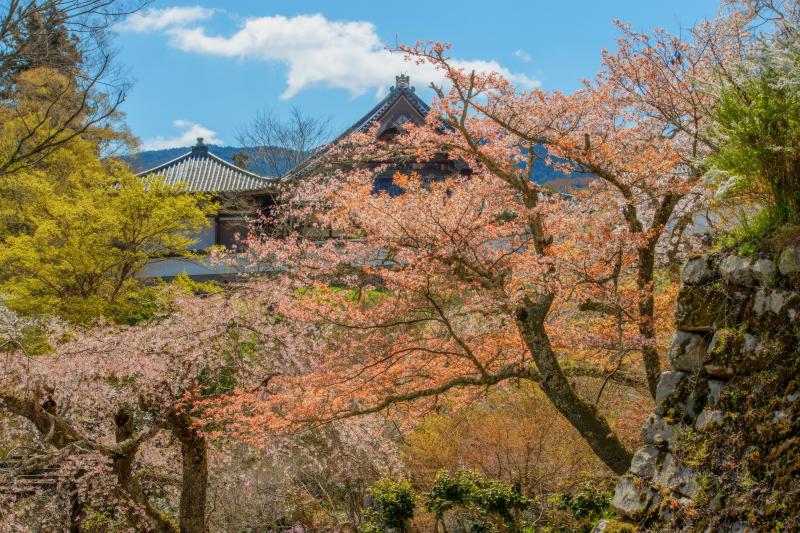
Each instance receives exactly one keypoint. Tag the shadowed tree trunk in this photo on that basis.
(194, 453)
(123, 468)
(647, 328)
(75, 508)
(645, 282)
(123, 463)
(530, 318)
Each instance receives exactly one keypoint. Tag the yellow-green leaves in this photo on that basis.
(75, 231)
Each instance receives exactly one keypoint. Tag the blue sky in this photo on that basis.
(206, 68)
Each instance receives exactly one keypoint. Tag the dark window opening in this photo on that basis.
(386, 184)
(231, 232)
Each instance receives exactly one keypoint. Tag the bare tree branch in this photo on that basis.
(280, 144)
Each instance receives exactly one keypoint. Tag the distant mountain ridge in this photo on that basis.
(148, 159)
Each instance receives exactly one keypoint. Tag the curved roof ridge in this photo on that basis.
(402, 88)
(204, 171)
(166, 164)
(385, 104)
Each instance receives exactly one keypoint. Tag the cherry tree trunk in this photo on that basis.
(647, 329)
(75, 509)
(123, 464)
(123, 468)
(595, 430)
(194, 452)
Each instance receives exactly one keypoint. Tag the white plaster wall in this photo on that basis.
(206, 237)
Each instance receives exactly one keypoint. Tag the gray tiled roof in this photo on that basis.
(401, 89)
(203, 171)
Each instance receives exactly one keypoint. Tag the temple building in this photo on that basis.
(245, 195)
(400, 107)
(241, 194)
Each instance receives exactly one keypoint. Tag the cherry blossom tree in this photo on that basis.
(92, 410)
(641, 127)
(456, 285)
(425, 302)
(471, 281)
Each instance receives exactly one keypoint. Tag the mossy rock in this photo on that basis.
(748, 463)
(732, 346)
(709, 307)
(618, 526)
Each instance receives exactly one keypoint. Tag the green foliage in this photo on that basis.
(139, 305)
(491, 501)
(35, 339)
(450, 491)
(223, 380)
(394, 506)
(751, 232)
(76, 230)
(757, 125)
(235, 348)
(587, 506)
(187, 285)
(695, 446)
(357, 295)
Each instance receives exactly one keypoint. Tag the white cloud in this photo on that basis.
(523, 55)
(160, 19)
(342, 54)
(191, 131)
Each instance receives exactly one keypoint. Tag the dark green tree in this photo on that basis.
(68, 42)
(42, 40)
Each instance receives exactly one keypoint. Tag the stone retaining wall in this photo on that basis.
(722, 449)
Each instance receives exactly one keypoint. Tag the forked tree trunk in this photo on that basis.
(123, 468)
(194, 452)
(592, 426)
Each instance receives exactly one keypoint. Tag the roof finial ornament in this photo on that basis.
(201, 148)
(402, 81)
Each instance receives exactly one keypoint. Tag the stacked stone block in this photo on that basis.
(728, 400)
